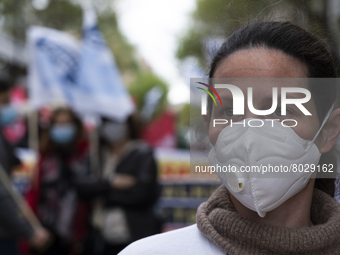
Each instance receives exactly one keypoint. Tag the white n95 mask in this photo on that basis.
(272, 145)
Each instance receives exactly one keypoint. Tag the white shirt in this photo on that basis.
(184, 241)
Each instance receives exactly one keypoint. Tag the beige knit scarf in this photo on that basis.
(235, 234)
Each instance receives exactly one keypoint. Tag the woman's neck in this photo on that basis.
(295, 212)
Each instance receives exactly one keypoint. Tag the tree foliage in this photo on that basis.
(66, 15)
(143, 83)
(218, 18)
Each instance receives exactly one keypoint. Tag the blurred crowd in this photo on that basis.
(87, 196)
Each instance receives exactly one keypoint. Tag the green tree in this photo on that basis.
(217, 18)
(18, 16)
(143, 83)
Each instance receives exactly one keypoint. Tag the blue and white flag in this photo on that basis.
(100, 87)
(53, 60)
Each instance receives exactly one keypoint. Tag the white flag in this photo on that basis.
(53, 60)
(100, 88)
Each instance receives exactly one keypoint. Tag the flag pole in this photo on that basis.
(94, 155)
(24, 208)
(33, 133)
(33, 142)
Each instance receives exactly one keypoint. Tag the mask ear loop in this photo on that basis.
(323, 123)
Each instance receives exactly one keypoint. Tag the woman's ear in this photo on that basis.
(330, 132)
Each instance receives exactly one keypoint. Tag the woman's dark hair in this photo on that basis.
(134, 125)
(300, 44)
(47, 145)
(5, 82)
(4, 86)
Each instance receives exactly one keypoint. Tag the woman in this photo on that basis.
(268, 215)
(124, 211)
(54, 194)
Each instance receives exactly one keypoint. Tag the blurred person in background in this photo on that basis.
(13, 225)
(124, 209)
(54, 195)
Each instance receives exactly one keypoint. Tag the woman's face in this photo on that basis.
(263, 63)
(63, 130)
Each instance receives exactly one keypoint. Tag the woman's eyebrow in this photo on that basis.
(292, 95)
(267, 99)
(226, 99)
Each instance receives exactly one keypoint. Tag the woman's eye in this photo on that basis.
(228, 111)
(278, 111)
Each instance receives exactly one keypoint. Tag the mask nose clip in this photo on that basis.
(236, 181)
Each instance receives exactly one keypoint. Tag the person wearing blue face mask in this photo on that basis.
(8, 114)
(12, 226)
(54, 196)
(63, 133)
